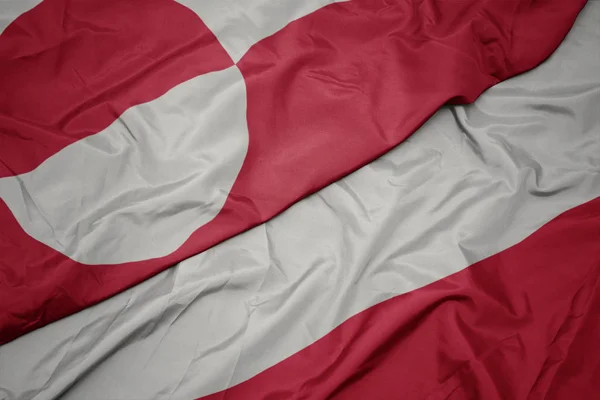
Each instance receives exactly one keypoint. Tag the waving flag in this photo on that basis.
(128, 147)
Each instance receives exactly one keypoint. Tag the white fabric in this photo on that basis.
(11, 9)
(473, 181)
(138, 189)
(239, 24)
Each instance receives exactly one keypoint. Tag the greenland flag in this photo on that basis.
(135, 134)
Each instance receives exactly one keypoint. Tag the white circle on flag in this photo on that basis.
(138, 189)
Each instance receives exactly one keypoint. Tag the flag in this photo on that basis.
(155, 162)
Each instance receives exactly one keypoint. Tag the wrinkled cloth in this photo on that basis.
(104, 183)
(472, 182)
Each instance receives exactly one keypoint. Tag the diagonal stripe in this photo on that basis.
(496, 330)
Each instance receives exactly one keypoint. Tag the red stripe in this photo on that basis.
(523, 323)
(327, 94)
(69, 68)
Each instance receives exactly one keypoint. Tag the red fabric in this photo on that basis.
(522, 324)
(70, 68)
(327, 94)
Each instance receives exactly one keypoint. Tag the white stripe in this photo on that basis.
(12, 9)
(239, 24)
(471, 182)
(138, 189)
